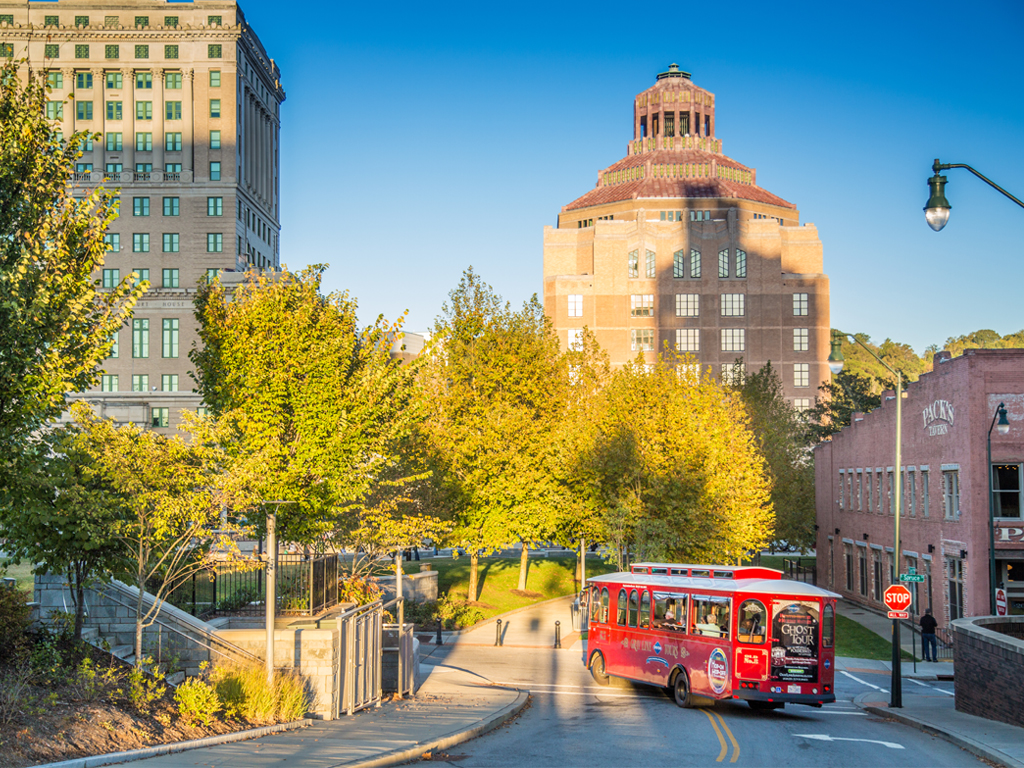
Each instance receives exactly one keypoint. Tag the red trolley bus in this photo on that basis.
(714, 632)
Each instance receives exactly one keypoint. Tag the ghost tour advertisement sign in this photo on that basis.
(795, 631)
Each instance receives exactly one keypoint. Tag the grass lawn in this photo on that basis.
(550, 577)
(857, 642)
(23, 573)
(777, 561)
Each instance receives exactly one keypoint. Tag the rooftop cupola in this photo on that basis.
(674, 108)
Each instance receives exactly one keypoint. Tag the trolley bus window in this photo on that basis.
(645, 610)
(595, 605)
(659, 570)
(700, 574)
(828, 626)
(604, 605)
(752, 622)
(680, 572)
(669, 611)
(620, 618)
(632, 608)
(710, 616)
(723, 574)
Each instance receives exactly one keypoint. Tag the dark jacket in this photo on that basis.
(928, 624)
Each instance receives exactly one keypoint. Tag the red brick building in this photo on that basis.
(944, 526)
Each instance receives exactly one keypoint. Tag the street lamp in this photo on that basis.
(936, 210)
(835, 364)
(1002, 426)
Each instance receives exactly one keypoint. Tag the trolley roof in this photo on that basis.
(692, 584)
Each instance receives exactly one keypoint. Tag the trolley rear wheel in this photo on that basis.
(681, 690)
(597, 669)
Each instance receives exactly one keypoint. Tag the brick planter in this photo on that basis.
(988, 657)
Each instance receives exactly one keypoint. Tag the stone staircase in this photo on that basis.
(125, 653)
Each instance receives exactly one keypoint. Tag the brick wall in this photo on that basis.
(989, 663)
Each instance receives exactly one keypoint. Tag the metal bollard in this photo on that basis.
(497, 633)
(558, 634)
(440, 640)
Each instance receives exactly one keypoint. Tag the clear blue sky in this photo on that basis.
(421, 138)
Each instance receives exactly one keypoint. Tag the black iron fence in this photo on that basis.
(795, 570)
(306, 585)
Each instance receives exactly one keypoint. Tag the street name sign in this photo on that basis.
(915, 577)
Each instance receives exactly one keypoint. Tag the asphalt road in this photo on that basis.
(571, 721)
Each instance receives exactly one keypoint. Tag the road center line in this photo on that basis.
(721, 739)
(728, 732)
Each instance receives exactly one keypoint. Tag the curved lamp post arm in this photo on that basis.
(937, 166)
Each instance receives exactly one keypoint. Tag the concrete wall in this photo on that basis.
(418, 587)
(990, 668)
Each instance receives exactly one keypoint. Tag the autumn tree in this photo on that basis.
(317, 403)
(676, 466)
(56, 326)
(493, 390)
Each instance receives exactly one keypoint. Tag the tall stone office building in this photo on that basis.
(678, 245)
(187, 103)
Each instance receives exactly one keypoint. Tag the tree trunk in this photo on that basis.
(138, 618)
(79, 586)
(474, 563)
(524, 567)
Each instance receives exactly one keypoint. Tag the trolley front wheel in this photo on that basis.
(597, 669)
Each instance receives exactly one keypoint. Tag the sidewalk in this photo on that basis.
(882, 627)
(452, 706)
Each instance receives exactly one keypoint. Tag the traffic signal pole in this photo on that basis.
(896, 687)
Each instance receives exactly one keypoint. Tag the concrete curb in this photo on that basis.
(112, 758)
(964, 742)
(487, 724)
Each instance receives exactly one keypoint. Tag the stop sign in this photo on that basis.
(1000, 602)
(897, 598)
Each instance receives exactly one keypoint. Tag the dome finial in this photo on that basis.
(673, 71)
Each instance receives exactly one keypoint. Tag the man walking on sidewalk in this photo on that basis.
(928, 625)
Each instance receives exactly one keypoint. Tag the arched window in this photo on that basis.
(620, 619)
(679, 264)
(604, 605)
(828, 627)
(694, 262)
(752, 622)
(632, 608)
(645, 610)
(595, 605)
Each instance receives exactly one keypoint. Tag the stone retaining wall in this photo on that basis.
(989, 664)
(416, 587)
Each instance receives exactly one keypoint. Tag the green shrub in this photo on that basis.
(244, 691)
(62, 624)
(457, 614)
(359, 590)
(197, 701)
(145, 688)
(47, 660)
(238, 600)
(15, 616)
(15, 691)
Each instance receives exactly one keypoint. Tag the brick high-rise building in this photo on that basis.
(187, 102)
(677, 244)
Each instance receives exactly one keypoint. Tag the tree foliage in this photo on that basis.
(55, 325)
(318, 406)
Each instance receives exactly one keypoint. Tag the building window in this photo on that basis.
(878, 493)
(51, 21)
(172, 142)
(213, 21)
(170, 21)
(172, 168)
(83, 167)
(687, 304)
(172, 81)
(741, 263)
(679, 264)
(55, 79)
(81, 21)
(111, 278)
(141, 274)
(723, 263)
(81, 51)
(172, 110)
(170, 242)
(214, 242)
(170, 337)
(115, 142)
(955, 576)
(641, 340)
(169, 382)
(212, 274)
(575, 299)
(52, 51)
(799, 304)
(951, 493)
(215, 207)
(802, 404)
(172, 206)
(83, 110)
(214, 107)
(848, 557)
(140, 382)
(732, 305)
(215, 171)
(634, 264)
(161, 417)
(651, 270)
(113, 241)
(114, 110)
(862, 562)
(641, 305)
(575, 339)
(734, 339)
(140, 242)
(800, 340)
(215, 78)
(144, 142)
(170, 278)
(1006, 487)
(802, 375)
(140, 338)
(876, 582)
(55, 110)
(7, 50)
(214, 139)
(108, 382)
(924, 492)
(214, 51)
(140, 206)
(143, 110)
(911, 492)
(170, 51)
(114, 168)
(732, 373)
(111, 21)
(141, 51)
(694, 263)
(83, 80)
(688, 339)
(112, 51)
